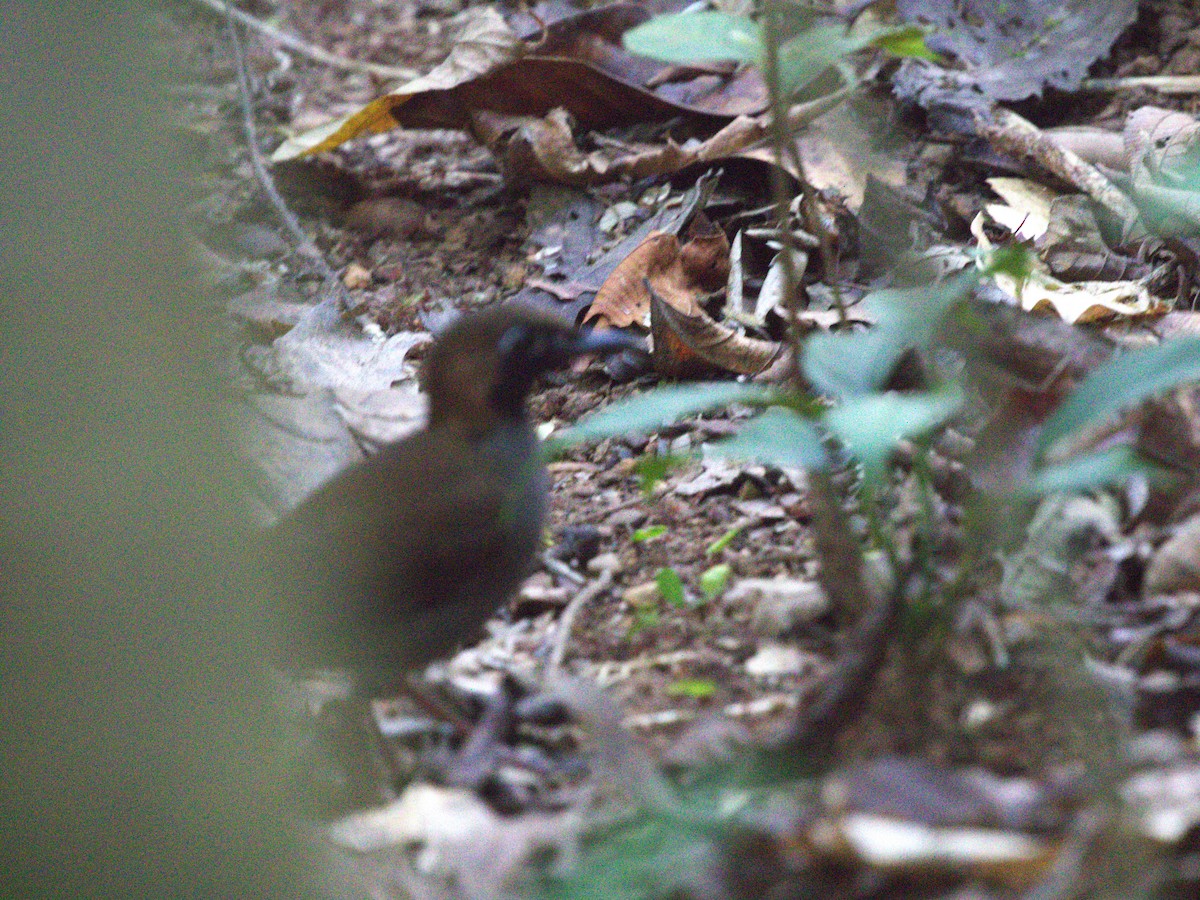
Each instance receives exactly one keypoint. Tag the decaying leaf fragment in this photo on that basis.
(1074, 302)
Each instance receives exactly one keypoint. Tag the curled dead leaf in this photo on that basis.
(690, 342)
(678, 274)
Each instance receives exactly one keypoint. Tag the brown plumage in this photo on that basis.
(398, 560)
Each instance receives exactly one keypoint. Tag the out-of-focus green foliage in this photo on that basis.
(807, 48)
(1125, 380)
(140, 750)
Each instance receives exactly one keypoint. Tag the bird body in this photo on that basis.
(397, 560)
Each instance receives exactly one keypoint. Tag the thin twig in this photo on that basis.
(334, 299)
(561, 569)
(304, 48)
(1164, 84)
(1014, 136)
(565, 623)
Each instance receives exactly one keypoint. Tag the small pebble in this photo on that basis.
(774, 660)
(626, 518)
(641, 594)
(780, 604)
(604, 562)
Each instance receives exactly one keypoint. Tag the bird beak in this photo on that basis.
(606, 341)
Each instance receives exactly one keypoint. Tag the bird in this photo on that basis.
(400, 559)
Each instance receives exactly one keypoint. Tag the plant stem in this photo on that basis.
(780, 137)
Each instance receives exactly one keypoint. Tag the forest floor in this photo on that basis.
(420, 222)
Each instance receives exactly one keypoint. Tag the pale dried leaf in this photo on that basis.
(894, 845)
(485, 44)
(1075, 302)
(1175, 568)
(454, 838)
(1026, 207)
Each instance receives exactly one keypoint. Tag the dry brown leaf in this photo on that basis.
(687, 343)
(677, 274)
(544, 150)
(705, 257)
(624, 299)
(576, 63)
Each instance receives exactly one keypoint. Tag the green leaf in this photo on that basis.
(699, 688)
(724, 540)
(653, 468)
(670, 585)
(661, 406)
(803, 58)
(691, 37)
(640, 858)
(1091, 470)
(644, 617)
(714, 579)
(1014, 260)
(779, 437)
(1122, 382)
(870, 427)
(906, 41)
(846, 365)
(648, 533)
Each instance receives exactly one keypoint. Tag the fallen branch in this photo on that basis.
(1019, 138)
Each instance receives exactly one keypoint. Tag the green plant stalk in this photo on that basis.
(924, 475)
(785, 147)
(781, 138)
(878, 535)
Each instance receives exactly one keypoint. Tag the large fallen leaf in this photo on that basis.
(1015, 49)
(843, 147)
(575, 63)
(624, 298)
(485, 44)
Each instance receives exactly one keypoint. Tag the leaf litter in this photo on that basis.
(438, 232)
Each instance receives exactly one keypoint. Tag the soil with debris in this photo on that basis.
(418, 223)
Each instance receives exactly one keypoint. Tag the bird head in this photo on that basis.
(483, 366)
